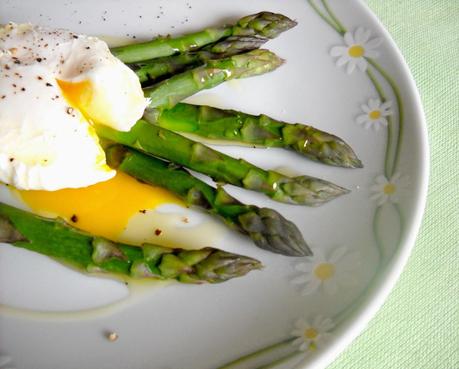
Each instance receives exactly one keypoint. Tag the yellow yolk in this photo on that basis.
(103, 209)
(98, 104)
(78, 94)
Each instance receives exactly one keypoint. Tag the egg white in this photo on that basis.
(54, 85)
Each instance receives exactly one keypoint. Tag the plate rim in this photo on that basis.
(377, 295)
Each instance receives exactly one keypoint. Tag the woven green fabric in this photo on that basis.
(418, 327)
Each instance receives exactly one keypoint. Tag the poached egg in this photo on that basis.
(54, 86)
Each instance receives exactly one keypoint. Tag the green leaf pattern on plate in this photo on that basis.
(355, 55)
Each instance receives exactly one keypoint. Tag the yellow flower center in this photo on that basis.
(389, 189)
(324, 271)
(356, 51)
(311, 333)
(375, 114)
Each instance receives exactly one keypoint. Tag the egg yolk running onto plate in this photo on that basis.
(103, 209)
(55, 85)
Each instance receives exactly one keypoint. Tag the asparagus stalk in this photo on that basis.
(59, 240)
(264, 24)
(234, 45)
(261, 130)
(169, 92)
(151, 70)
(266, 227)
(222, 168)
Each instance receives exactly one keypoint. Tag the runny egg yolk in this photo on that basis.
(79, 95)
(102, 209)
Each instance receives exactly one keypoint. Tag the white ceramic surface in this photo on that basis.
(366, 238)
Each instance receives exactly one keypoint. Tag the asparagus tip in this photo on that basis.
(221, 266)
(356, 163)
(306, 190)
(271, 231)
(266, 24)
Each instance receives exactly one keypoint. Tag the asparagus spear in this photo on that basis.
(264, 24)
(171, 91)
(171, 146)
(235, 45)
(151, 70)
(59, 240)
(261, 130)
(267, 228)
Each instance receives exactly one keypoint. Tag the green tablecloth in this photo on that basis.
(418, 327)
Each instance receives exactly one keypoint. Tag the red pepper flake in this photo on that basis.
(3, 96)
(11, 160)
(22, 88)
(69, 110)
(39, 60)
(158, 232)
(74, 218)
(143, 211)
(49, 84)
(39, 78)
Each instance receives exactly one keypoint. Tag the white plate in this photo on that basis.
(366, 235)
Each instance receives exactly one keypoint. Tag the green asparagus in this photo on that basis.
(264, 24)
(169, 92)
(222, 168)
(59, 240)
(261, 130)
(267, 228)
(152, 70)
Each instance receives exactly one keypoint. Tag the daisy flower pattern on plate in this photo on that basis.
(312, 335)
(374, 114)
(358, 46)
(327, 273)
(388, 190)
